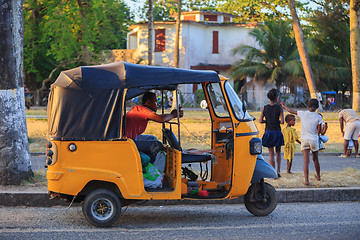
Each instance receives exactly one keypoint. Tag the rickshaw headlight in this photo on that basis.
(255, 146)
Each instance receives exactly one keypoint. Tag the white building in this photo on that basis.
(206, 43)
(206, 39)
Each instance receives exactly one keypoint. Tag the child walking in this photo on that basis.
(272, 115)
(311, 127)
(290, 136)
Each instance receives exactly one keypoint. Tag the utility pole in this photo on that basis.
(177, 38)
(150, 32)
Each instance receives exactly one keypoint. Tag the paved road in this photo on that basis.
(328, 162)
(288, 221)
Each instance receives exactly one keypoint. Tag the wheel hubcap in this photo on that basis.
(102, 209)
(264, 202)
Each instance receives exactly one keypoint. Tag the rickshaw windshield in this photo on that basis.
(217, 100)
(236, 104)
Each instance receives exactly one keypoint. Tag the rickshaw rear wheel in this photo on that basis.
(259, 204)
(102, 207)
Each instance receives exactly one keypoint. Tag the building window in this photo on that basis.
(159, 40)
(210, 18)
(215, 47)
(226, 19)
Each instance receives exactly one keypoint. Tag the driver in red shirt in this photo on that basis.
(138, 116)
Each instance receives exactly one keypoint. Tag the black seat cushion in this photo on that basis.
(186, 157)
(192, 158)
(171, 139)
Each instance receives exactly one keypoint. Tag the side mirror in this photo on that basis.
(203, 104)
(244, 106)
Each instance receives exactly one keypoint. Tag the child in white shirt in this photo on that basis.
(311, 127)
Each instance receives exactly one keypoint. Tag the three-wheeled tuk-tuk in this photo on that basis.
(90, 160)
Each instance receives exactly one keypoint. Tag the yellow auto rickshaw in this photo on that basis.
(91, 161)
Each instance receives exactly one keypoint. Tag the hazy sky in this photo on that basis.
(136, 4)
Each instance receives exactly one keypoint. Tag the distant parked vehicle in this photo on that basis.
(330, 100)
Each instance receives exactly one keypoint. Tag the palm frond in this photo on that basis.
(293, 67)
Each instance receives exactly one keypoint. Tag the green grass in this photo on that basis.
(36, 111)
(39, 179)
(349, 177)
(195, 133)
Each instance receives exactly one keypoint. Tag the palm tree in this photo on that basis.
(355, 48)
(300, 42)
(331, 63)
(275, 59)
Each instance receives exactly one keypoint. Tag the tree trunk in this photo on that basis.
(176, 51)
(354, 49)
(177, 38)
(150, 31)
(15, 162)
(34, 26)
(83, 8)
(300, 42)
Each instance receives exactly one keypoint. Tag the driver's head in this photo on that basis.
(149, 100)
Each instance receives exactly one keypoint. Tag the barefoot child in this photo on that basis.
(311, 123)
(272, 115)
(290, 136)
(350, 147)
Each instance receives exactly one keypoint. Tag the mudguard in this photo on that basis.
(263, 170)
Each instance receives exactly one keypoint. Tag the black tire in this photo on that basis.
(102, 208)
(254, 202)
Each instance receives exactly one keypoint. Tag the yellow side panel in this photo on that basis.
(113, 161)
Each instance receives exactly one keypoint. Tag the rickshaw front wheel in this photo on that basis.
(102, 207)
(258, 203)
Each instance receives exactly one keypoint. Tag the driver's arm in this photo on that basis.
(288, 109)
(160, 118)
(281, 116)
(341, 120)
(261, 119)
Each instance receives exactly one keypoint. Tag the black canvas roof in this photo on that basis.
(85, 103)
